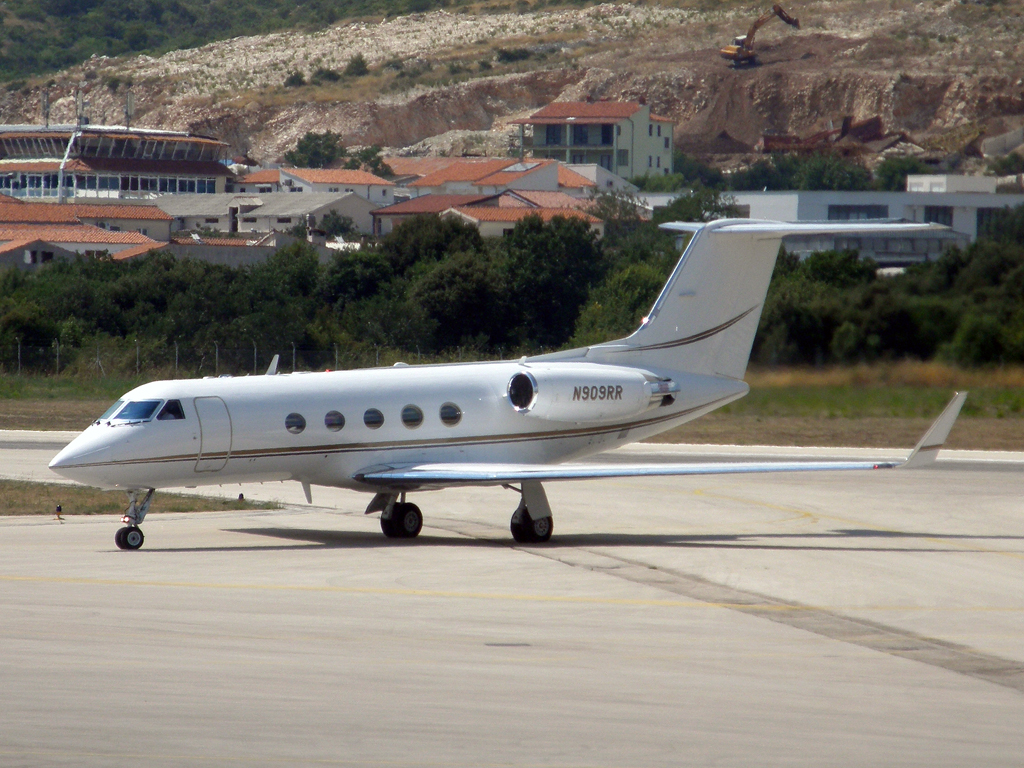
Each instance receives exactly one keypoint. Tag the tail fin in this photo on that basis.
(705, 319)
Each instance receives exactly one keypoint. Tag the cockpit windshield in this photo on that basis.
(111, 410)
(137, 410)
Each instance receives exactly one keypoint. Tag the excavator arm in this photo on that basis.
(742, 49)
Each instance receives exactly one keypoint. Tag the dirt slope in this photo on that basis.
(924, 67)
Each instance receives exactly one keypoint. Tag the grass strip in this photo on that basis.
(22, 497)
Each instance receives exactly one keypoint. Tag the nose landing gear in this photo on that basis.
(131, 537)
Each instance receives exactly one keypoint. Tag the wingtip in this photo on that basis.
(928, 447)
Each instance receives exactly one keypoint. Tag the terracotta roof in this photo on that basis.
(516, 214)
(507, 176)
(36, 213)
(335, 176)
(24, 167)
(15, 245)
(613, 110)
(569, 179)
(421, 166)
(70, 233)
(272, 176)
(141, 212)
(223, 241)
(544, 199)
(117, 165)
(429, 204)
(138, 250)
(463, 170)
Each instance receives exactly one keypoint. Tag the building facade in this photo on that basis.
(621, 137)
(66, 162)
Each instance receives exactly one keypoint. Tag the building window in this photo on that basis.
(659, 130)
(578, 159)
(658, 161)
(855, 212)
(939, 214)
(284, 220)
(606, 134)
(605, 161)
(553, 134)
(580, 134)
(211, 221)
(249, 219)
(618, 130)
(650, 130)
(666, 142)
(623, 157)
(650, 161)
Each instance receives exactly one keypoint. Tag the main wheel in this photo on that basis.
(133, 537)
(119, 538)
(408, 519)
(526, 530)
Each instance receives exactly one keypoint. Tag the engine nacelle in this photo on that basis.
(586, 392)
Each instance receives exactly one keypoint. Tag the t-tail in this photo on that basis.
(706, 316)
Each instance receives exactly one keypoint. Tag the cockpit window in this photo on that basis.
(111, 410)
(171, 411)
(138, 410)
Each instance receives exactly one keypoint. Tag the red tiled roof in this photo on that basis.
(335, 176)
(546, 199)
(659, 119)
(463, 170)
(117, 165)
(36, 213)
(15, 245)
(69, 233)
(141, 212)
(429, 204)
(569, 179)
(421, 166)
(613, 110)
(503, 177)
(516, 214)
(272, 176)
(138, 250)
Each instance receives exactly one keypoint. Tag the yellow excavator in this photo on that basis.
(742, 49)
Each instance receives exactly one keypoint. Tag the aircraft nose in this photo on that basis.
(81, 453)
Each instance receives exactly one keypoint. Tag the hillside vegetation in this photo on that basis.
(40, 36)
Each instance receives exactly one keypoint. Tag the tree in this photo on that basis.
(551, 268)
(357, 66)
(700, 205)
(425, 240)
(891, 174)
(334, 224)
(316, 150)
(369, 159)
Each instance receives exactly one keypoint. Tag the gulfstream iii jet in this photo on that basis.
(394, 431)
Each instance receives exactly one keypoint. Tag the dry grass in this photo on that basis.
(24, 498)
(902, 374)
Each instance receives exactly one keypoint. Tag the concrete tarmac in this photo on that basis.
(838, 619)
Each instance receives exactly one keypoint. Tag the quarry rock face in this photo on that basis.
(923, 70)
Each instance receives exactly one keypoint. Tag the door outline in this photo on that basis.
(213, 452)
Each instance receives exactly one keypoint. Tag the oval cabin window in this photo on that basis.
(373, 418)
(412, 416)
(451, 414)
(334, 421)
(294, 423)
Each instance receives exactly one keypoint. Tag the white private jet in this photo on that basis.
(392, 431)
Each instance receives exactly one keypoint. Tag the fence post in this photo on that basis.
(19, 355)
(57, 344)
(335, 357)
(175, 359)
(136, 356)
(254, 355)
(216, 359)
(293, 357)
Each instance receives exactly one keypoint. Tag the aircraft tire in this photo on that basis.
(389, 526)
(408, 520)
(526, 530)
(119, 538)
(133, 537)
(541, 529)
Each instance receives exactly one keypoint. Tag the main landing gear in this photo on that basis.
(531, 523)
(131, 537)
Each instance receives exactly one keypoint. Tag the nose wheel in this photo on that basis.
(129, 537)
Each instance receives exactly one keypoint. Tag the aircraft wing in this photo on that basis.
(448, 475)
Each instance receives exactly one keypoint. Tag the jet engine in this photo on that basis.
(587, 392)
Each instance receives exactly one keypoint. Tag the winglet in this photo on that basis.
(927, 448)
(272, 370)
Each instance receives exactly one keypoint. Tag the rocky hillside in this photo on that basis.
(926, 68)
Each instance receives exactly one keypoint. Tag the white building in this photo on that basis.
(963, 212)
(338, 180)
(264, 213)
(621, 137)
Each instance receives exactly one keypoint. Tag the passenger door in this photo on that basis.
(214, 434)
